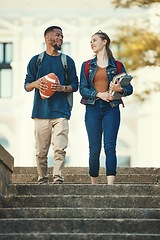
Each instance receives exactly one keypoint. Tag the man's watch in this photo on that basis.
(65, 89)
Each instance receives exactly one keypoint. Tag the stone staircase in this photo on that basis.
(76, 210)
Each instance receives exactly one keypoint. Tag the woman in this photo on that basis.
(102, 116)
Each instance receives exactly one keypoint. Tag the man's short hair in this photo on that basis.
(51, 29)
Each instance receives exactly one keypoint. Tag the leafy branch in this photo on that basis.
(137, 47)
(131, 3)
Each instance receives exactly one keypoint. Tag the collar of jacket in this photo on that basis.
(111, 62)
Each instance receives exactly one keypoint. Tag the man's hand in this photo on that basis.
(57, 87)
(39, 84)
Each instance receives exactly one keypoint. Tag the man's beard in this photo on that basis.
(57, 47)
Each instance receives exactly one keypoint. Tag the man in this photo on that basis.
(51, 115)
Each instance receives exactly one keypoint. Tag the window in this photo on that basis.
(5, 70)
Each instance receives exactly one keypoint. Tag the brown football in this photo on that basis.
(49, 80)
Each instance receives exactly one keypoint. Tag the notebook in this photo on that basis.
(124, 80)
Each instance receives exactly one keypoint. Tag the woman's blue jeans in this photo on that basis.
(102, 119)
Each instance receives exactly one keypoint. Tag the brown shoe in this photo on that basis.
(42, 180)
(58, 180)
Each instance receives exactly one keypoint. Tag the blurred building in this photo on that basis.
(22, 24)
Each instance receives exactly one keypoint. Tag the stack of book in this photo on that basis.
(124, 80)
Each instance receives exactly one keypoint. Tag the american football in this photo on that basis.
(49, 79)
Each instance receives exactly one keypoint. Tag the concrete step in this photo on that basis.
(76, 210)
(80, 175)
(91, 225)
(79, 236)
(84, 170)
(85, 189)
(79, 212)
(84, 178)
(85, 201)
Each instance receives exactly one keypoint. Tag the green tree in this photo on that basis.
(137, 47)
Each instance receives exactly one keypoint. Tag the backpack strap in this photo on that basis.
(118, 67)
(39, 59)
(86, 68)
(65, 66)
(64, 63)
(118, 71)
(63, 59)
